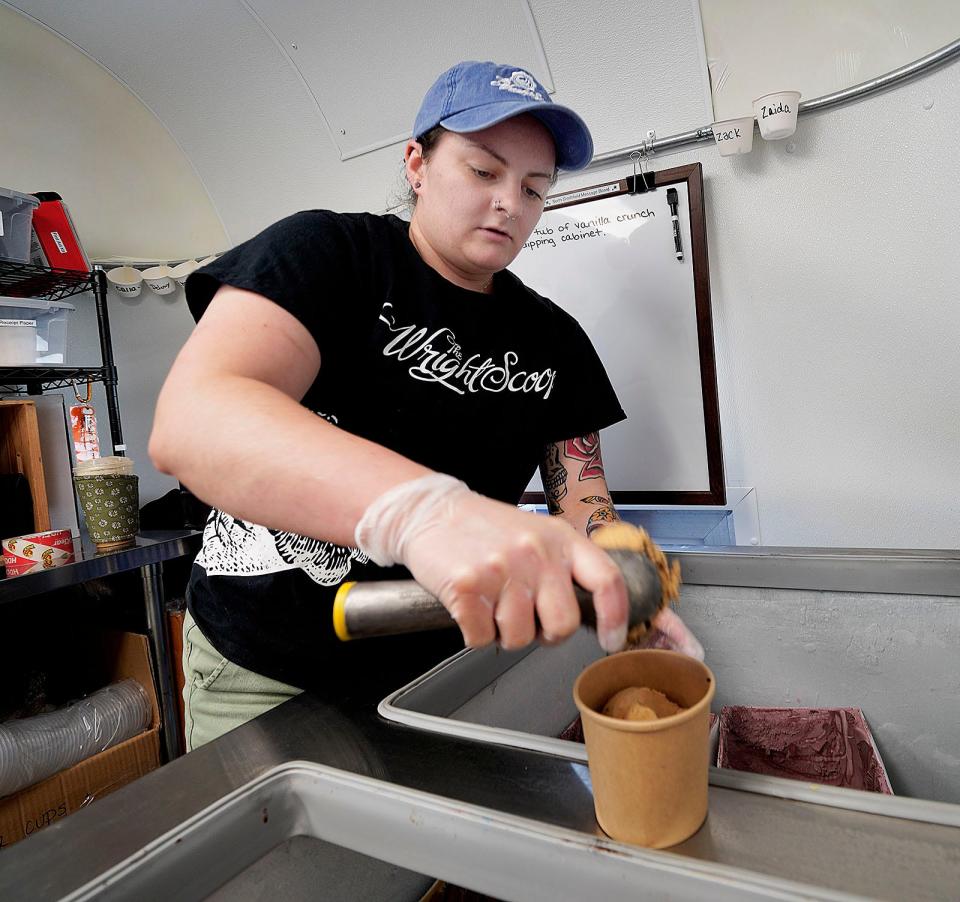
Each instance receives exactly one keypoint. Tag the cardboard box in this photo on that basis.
(20, 453)
(24, 813)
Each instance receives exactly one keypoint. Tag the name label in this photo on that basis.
(774, 110)
(728, 135)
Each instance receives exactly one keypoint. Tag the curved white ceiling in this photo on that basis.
(221, 79)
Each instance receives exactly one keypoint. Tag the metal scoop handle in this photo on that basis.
(393, 607)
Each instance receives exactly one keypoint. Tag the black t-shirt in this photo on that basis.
(465, 383)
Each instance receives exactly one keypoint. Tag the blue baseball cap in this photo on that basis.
(475, 95)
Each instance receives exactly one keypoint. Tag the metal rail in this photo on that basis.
(892, 79)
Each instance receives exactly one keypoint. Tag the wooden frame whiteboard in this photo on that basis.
(607, 256)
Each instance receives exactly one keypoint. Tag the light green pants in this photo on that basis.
(219, 695)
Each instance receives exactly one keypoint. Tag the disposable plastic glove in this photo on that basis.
(669, 631)
(493, 566)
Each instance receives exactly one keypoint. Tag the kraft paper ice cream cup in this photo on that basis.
(649, 777)
(158, 279)
(109, 495)
(734, 136)
(777, 114)
(125, 280)
(39, 551)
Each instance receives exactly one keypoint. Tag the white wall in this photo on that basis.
(834, 274)
(69, 126)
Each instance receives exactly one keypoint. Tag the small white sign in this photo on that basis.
(598, 191)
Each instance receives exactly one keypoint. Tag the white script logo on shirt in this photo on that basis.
(438, 357)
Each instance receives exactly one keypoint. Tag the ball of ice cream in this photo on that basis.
(620, 704)
(640, 712)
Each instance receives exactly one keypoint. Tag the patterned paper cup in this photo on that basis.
(111, 506)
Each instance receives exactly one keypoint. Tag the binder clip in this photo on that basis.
(640, 182)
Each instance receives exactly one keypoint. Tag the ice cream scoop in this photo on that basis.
(391, 607)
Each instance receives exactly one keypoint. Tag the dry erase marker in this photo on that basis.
(672, 201)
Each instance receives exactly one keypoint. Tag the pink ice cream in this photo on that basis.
(832, 746)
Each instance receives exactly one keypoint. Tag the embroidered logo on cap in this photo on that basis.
(519, 82)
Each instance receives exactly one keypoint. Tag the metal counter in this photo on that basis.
(752, 846)
(883, 570)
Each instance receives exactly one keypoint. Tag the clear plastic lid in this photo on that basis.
(20, 196)
(104, 466)
(35, 304)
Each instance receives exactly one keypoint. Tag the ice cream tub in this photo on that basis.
(829, 746)
(40, 551)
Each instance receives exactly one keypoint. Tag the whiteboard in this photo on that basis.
(608, 257)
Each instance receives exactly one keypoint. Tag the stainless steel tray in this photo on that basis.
(523, 700)
(506, 856)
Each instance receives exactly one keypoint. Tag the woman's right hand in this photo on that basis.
(494, 567)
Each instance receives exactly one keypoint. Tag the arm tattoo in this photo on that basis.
(600, 517)
(554, 475)
(586, 450)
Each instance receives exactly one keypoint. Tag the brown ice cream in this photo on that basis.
(640, 712)
(832, 746)
(640, 703)
(634, 538)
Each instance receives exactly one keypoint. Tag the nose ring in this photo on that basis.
(500, 208)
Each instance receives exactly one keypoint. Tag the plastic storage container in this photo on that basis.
(16, 216)
(33, 331)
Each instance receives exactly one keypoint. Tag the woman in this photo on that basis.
(361, 395)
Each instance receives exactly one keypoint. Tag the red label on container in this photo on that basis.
(41, 551)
